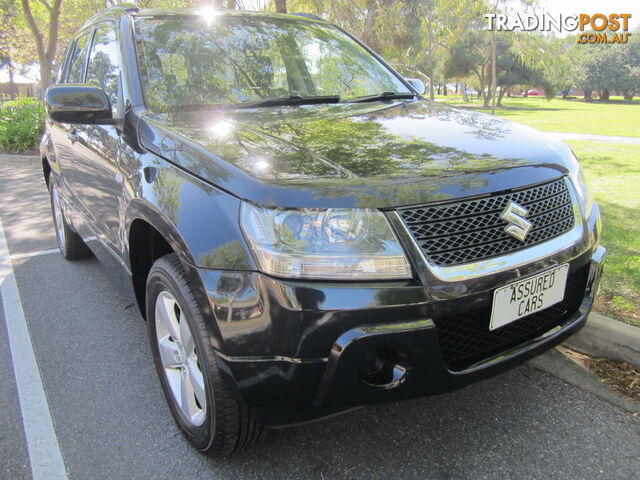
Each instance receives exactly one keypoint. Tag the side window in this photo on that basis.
(76, 63)
(65, 58)
(103, 70)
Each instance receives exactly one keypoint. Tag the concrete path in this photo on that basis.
(587, 137)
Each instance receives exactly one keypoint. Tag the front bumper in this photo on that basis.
(295, 351)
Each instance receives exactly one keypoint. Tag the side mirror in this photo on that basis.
(78, 103)
(418, 85)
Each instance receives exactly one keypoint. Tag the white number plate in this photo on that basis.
(528, 296)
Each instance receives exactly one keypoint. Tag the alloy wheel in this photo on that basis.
(180, 359)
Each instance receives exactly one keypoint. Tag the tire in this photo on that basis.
(71, 245)
(212, 420)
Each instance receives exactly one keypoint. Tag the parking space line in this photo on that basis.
(45, 456)
(20, 256)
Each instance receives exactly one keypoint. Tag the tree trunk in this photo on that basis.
(12, 85)
(499, 104)
(54, 19)
(430, 49)
(565, 94)
(587, 95)
(604, 96)
(444, 88)
(628, 96)
(464, 93)
(494, 75)
(46, 54)
(281, 6)
(487, 93)
(369, 36)
(45, 77)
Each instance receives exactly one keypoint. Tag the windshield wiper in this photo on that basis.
(287, 100)
(382, 96)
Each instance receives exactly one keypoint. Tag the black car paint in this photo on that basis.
(334, 155)
(275, 337)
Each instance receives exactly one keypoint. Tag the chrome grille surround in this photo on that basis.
(449, 226)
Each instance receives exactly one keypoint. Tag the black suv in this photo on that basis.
(303, 232)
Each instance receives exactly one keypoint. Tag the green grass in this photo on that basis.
(613, 175)
(572, 116)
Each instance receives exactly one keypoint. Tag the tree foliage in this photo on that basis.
(609, 67)
(438, 41)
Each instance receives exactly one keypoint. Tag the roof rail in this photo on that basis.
(127, 6)
(308, 15)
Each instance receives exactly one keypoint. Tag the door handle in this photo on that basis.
(72, 134)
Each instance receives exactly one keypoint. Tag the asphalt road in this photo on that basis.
(111, 420)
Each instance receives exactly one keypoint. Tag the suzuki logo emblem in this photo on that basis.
(519, 226)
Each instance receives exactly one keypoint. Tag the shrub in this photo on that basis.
(21, 124)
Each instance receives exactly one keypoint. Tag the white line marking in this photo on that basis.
(45, 456)
(19, 256)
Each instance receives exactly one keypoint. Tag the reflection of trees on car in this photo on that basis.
(231, 285)
(104, 74)
(187, 64)
(103, 70)
(167, 188)
(358, 142)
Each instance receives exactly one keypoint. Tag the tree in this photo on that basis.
(470, 55)
(605, 68)
(514, 72)
(46, 44)
(561, 73)
(463, 59)
(628, 58)
(439, 23)
(7, 34)
(281, 6)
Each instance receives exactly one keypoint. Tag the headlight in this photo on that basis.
(333, 243)
(580, 184)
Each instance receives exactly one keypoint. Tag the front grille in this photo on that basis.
(465, 338)
(470, 230)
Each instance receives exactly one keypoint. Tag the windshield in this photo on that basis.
(187, 63)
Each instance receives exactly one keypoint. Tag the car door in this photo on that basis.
(97, 179)
(63, 136)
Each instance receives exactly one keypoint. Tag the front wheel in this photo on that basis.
(212, 420)
(71, 245)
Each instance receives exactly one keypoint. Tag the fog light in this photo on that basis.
(375, 362)
(385, 369)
